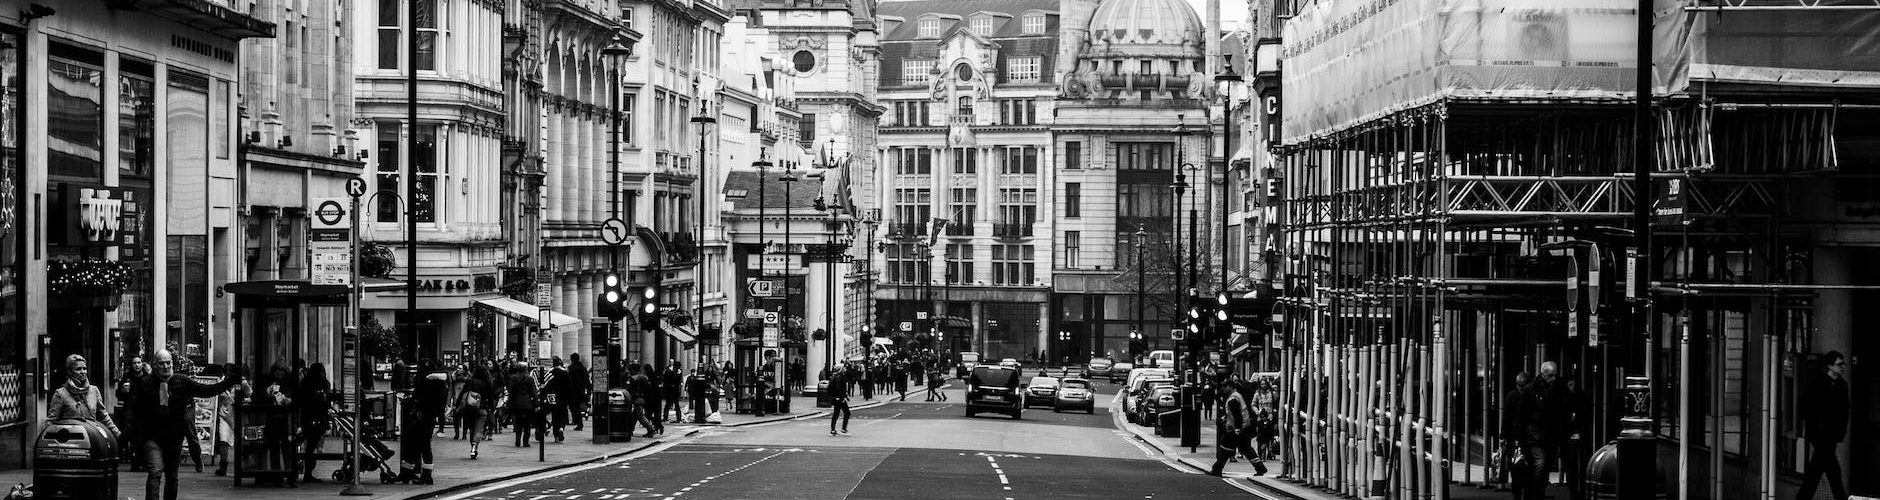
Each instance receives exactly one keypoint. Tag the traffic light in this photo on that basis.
(649, 309)
(613, 298)
(1200, 312)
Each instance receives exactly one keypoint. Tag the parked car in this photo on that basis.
(1162, 359)
(1157, 397)
(1098, 367)
(1120, 371)
(1137, 389)
(1041, 390)
(1074, 393)
(993, 389)
(1142, 373)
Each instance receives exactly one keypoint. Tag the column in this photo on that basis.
(552, 163)
(570, 303)
(816, 300)
(1045, 333)
(570, 163)
(585, 187)
(977, 338)
(579, 341)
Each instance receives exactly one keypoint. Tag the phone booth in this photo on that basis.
(748, 359)
(270, 322)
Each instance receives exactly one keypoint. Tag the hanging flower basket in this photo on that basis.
(87, 278)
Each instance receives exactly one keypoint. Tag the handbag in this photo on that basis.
(470, 401)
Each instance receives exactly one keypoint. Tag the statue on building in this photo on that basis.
(1197, 87)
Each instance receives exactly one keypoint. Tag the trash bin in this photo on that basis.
(1168, 423)
(1602, 474)
(75, 459)
(822, 395)
(620, 416)
(597, 407)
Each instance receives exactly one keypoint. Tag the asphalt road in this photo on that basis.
(899, 450)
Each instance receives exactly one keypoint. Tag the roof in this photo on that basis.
(914, 10)
(1146, 21)
(743, 187)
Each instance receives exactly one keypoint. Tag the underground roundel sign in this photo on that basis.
(330, 214)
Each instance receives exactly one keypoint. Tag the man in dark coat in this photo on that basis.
(1824, 423)
(164, 406)
(557, 385)
(672, 387)
(1541, 424)
(578, 387)
(430, 393)
(521, 406)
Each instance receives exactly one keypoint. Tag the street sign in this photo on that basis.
(754, 313)
(1178, 333)
(761, 288)
(356, 187)
(329, 243)
(907, 326)
(771, 318)
(773, 336)
(920, 314)
(614, 232)
(544, 295)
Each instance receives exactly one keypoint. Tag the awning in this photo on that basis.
(530, 314)
(683, 334)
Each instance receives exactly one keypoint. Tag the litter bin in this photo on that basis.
(1602, 474)
(822, 395)
(1168, 423)
(620, 416)
(597, 407)
(75, 459)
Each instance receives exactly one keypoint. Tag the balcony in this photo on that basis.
(680, 247)
(960, 229)
(1011, 230)
(906, 229)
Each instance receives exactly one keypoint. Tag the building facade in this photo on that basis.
(120, 130)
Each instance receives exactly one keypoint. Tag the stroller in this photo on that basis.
(373, 454)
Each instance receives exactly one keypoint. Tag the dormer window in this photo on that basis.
(1034, 24)
(929, 28)
(982, 25)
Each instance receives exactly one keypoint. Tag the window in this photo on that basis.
(1022, 69)
(626, 117)
(963, 211)
(1073, 199)
(388, 178)
(1018, 206)
(982, 25)
(425, 16)
(1034, 24)
(389, 31)
(1144, 155)
(916, 71)
(1018, 160)
(965, 109)
(959, 264)
(806, 128)
(912, 161)
(906, 264)
(1012, 265)
(911, 113)
(424, 159)
(929, 28)
(913, 207)
(1073, 155)
(1147, 67)
(965, 161)
(137, 118)
(1072, 245)
(804, 60)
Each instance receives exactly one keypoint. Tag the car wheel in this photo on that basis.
(1016, 415)
(969, 414)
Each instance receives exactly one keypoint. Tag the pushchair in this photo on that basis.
(373, 454)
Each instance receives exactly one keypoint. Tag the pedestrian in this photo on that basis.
(315, 420)
(165, 408)
(1513, 466)
(672, 387)
(1233, 429)
(430, 392)
(645, 399)
(839, 381)
(934, 381)
(130, 445)
(79, 399)
(1825, 407)
(470, 406)
(863, 377)
(578, 387)
(459, 375)
(899, 374)
(697, 386)
(555, 400)
(1541, 425)
(521, 402)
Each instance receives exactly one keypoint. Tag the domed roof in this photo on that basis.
(1145, 22)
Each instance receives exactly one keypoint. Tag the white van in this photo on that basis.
(1162, 359)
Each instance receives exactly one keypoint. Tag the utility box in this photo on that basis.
(1168, 423)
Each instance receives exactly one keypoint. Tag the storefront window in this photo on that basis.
(137, 130)
(12, 339)
(187, 218)
(74, 114)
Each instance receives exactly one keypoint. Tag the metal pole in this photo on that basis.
(1637, 456)
(359, 364)
(698, 244)
(782, 354)
(411, 181)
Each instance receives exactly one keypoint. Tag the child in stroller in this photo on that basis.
(374, 455)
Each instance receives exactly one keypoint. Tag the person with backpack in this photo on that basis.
(470, 402)
(554, 394)
(1233, 428)
(521, 402)
(645, 397)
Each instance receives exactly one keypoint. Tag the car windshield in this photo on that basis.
(1152, 384)
(1044, 382)
(1100, 362)
(1075, 384)
(969, 357)
(994, 377)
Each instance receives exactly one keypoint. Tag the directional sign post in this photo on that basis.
(761, 288)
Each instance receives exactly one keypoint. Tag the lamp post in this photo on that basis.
(1637, 439)
(763, 273)
(1142, 289)
(789, 180)
(615, 51)
(1229, 80)
(703, 119)
(1185, 351)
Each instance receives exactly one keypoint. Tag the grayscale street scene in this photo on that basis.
(949, 249)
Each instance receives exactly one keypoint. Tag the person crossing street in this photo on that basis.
(839, 381)
(1233, 428)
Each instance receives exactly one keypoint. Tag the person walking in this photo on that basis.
(672, 387)
(899, 374)
(476, 392)
(839, 381)
(1541, 426)
(578, 387)
(698, 386)
(1825, 407)
(1512, 467)
(459, 376)
(645, 398)
(554, 394)
(315, 420)
(1233, 429)
(79, 399)
(129, 445)
(164, 406)
(934, 381)
(521, 402)
(430, 392)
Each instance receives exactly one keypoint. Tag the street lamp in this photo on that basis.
(616, 51)
(1190, 419)
(703, 119)
(1141, 286)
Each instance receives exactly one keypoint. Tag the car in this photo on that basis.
(968, 361)
(1013, 363)
(1156, 398)
(1098, 367)
(1162, 359)
(994, 389)
(1074, 393)
(1142, 373)
(1042, 390)
(1132, 393)
(1120, 371)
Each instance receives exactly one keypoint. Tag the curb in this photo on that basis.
(1248, 484)
(441, 492)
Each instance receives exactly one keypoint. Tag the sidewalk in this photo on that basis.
(1271, 486)
(497, 461)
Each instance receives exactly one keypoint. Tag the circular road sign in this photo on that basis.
(330, 212)
(356, 187)
(614, 231)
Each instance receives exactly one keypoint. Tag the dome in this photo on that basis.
(1146, 22)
